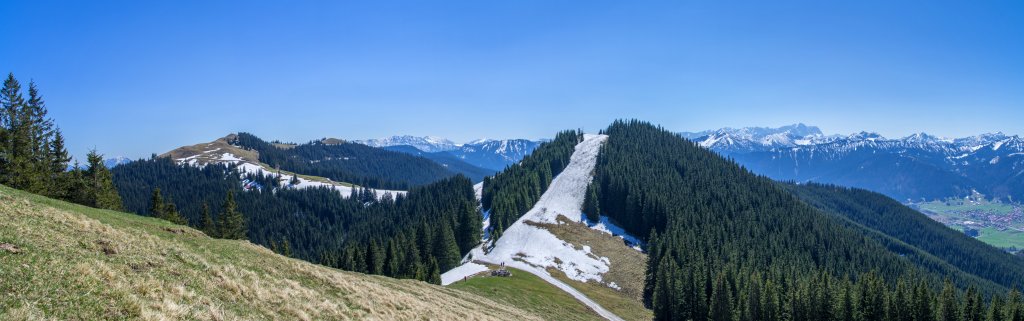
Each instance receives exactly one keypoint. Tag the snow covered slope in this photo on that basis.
(530, 248)
(221, 151)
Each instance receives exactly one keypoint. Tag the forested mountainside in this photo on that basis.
(873, 211)
(512, 193)
(724, 242)
(449, 161)
(62, 261)
(916, 167)
(348, 162)
(413, 235)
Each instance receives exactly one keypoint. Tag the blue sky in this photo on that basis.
(137, 77)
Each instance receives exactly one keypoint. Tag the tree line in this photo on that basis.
(356, 232)
(33, 156)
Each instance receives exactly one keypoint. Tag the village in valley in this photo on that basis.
(996, 222)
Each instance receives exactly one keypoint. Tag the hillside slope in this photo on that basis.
(64, 261)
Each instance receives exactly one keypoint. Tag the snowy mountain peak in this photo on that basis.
(428, 144)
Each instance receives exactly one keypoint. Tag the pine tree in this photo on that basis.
(433, 272)
(102, 192)
(232, 224)
(171, 214)
(156, 204)
(995, 309)
(445, 248)
(12, 154)
(947, 309)
(469, 228)
(206, 225)
(58, 159)
(590, 204)
(39, 129)
(286, 248)
(374, 258)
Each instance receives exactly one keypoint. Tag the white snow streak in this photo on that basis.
(532, 249)
(465, 270)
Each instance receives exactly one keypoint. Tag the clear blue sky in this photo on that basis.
(137, 77)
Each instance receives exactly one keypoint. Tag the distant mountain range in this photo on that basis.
(919, 166)
(490, 154)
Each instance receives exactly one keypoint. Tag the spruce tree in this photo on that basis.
(171, 214)
(232, 224)
(156, 204)
(446, 250)
(433, 271)
(206, 224)
(948, 307)
(12, 154)
(58, 159)
(102, 192)
(469, 228)
(39, 129)
(590, 204)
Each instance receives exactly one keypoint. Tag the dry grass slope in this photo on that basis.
(78, 263)
(626, 270)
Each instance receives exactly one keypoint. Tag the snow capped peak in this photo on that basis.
(863, 135)
(757, 138)
(428, 144)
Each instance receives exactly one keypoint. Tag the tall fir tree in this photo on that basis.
(101, 188)
(156, 204)
(232, 223)
(446, 249)
(206, 223)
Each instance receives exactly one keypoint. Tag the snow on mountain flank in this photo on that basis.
(283, 177)
(532, 249)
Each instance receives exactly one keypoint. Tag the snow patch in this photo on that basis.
(523, 242)
(461, 271)
(605, 225)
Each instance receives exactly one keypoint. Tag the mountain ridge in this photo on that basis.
(906, 168)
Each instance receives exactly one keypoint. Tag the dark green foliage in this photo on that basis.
(231, 224)
(731, 245)
(349, 162)
(873, 211)
(100, 189)
(591, 205)
(511, 193)
(32, 152)
(206, 223)
(353, 233)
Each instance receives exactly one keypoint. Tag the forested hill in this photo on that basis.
(724, 243)
(414, 235)
(874, 211)
(348, 162)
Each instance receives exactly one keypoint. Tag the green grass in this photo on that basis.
(942, 208)
(530, 293)
(80, 263)
(1004, 239)
(608, 298)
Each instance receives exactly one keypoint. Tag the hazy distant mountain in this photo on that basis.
(491, 154)
(428, 144)
(912, 167)
(111, 162)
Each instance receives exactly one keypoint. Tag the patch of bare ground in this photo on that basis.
(626, 270)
